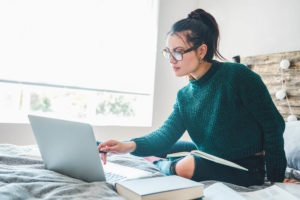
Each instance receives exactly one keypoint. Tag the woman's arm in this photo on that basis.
(163, 138)
(258, 102)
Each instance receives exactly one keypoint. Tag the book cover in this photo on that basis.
(208, 157)
(166, 187)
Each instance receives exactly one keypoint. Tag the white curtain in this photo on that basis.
(96, 44)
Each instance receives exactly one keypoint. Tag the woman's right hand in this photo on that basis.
(116, 147)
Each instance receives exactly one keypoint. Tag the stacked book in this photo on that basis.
(159, 188)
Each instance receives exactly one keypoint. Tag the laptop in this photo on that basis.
(69, 148)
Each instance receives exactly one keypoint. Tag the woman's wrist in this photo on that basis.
(132, 146)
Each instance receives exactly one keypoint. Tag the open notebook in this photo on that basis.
(208, 157)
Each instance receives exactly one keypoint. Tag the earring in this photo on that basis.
(200, 61)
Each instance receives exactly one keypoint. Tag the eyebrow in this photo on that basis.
(177, 48)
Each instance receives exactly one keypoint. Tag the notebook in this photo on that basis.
(208, 157)
(69, 148)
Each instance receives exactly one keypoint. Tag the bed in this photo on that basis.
(23, 175)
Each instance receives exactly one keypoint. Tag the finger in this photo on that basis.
(100, 147)
(111, 149)
(107, 143)
(103, 158)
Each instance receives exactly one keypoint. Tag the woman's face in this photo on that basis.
(190, 62)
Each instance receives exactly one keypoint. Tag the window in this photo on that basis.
(90, 60)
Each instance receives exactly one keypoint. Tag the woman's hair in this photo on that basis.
(200, 28)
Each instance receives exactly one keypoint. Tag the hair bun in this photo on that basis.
(196, 14)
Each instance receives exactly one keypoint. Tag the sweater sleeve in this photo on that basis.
(163, 138)
(258, 102)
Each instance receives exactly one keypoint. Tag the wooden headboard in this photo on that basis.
(268, 67)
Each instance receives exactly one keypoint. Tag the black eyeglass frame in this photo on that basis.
(182, 52)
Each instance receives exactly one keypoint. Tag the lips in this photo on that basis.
(175, 68)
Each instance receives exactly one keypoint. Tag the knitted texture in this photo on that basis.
(229, 113)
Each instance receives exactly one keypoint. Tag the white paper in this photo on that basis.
(271, 193)
(219, 191)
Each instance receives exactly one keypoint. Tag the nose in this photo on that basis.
(172, 60)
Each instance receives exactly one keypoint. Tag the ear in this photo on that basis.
(201, 51)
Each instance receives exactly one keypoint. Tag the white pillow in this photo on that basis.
(292, 144)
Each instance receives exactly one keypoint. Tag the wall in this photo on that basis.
(254, 27)
(166, 86)
(267, 66)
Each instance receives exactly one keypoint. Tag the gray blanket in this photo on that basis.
(23, 176)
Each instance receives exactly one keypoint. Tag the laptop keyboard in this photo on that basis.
(114, 172)
(112, 177)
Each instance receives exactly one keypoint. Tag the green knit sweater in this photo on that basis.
(229, 113)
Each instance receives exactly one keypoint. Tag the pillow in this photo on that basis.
(291, 137)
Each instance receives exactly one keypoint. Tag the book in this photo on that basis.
(219, 191)
(208, 157)
(158, 188)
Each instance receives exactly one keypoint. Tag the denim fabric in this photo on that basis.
(167, 166)
(164, 166)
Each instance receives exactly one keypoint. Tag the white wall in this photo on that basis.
(166, 86)
(255, 27)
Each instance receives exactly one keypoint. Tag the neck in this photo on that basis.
(202, 69)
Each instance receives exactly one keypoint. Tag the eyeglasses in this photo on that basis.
(177, 55)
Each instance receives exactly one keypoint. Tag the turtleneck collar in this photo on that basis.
(212, 70)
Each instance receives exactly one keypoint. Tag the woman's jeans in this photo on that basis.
(208, 170)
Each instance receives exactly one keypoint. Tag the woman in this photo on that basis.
(226, 109)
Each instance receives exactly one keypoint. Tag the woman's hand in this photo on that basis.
(117, 147)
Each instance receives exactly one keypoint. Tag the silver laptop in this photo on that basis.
(69, 147)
